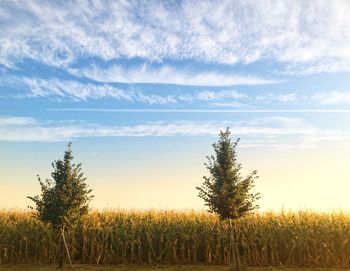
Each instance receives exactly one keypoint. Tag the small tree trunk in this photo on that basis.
(61, 252)
(235, 263)
(65, 245)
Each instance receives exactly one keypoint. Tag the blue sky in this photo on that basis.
(142, 89)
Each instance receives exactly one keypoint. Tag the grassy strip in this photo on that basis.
(115, 267)
(133, 267)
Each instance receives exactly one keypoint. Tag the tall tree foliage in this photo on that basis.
(225, 191)
(65, 198)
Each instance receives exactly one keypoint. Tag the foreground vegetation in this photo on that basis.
(121, 237)
(117, 268)
(133, 267)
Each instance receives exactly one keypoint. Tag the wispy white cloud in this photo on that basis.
(230, 104)
(167, 75)
(210, 95)
(259, 132)
(83, 91)
(72, 89)
(310, 35)
(49, 131)
(318, 98)
(331, 97)
(230, 98)
(133, 110)
(14, 121)
(275, 97)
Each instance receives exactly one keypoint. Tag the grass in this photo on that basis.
(132, 267)
(115, 267)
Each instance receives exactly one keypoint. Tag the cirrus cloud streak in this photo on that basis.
(167, 75)
(275, 132)
(305, 36)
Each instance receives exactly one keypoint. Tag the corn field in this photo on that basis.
(110, 237)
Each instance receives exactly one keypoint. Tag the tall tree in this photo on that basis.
(225, 191)
(64, 199)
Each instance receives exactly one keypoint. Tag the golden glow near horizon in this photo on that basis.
(316, 179)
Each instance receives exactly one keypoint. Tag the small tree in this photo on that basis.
(64, 199)
(225, 192)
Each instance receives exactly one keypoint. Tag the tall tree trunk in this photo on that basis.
(61, 251)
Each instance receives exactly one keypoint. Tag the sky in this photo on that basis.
(142, 89)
